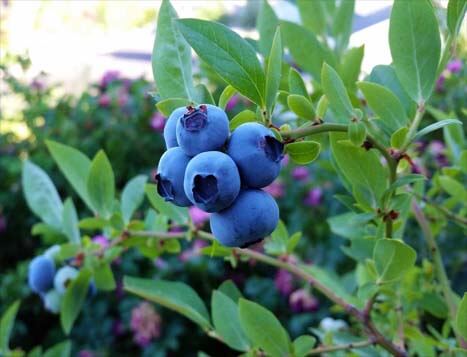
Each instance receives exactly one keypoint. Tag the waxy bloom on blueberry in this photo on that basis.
(64, 277)
(41, 274)
(253, 216)
(52, 301)
(170, 135)
(201, 129)
(212, 181)
(170, 175)
(257, 153)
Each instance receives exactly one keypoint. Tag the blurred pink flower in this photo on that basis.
(302, 301)
(275, 189)
(102, 241)
(158, 122)
(314, 197)
(2, 223)
(232, 103)
(161, 263)
(440, 83)
(283, 282)
(104, 100)
(145, 324)
(176, 229)
(300, 173)
(285, 160)
(37, 84)
(123, 98)
(198, 216)
(85, 353)
(454, 66)
(436, 147)
(118, 328)
(193, 251)
(109, 77)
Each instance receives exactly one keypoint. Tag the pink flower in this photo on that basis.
(314, 197)
(158, 122)
(283, 282)
(300, 173)
(285, 160)
(145, 324)
(275, 189)
(436, 147)
(302, 301)
(198, 216)
(101, 240)
(109, 77)
(37, 84)
(232, 103)
(440, 83)
(123, 98)
(454, 66)
(161, 263)
(193, 251)
(104, 100)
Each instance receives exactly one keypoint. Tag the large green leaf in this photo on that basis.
(177, 214)
(415, 46)
(313, 16)
(62, 349)
(393, 258)
(167, 106)
(303, 152)
(335, 92)
(342, 24)
(455, 15)
(70, 222)
(263, 329)
(305, 48)
(435, 126)
(132, 196)
(6, 326)
(173, 295)
(266, 24)
(41, 195)
(229, 289)
(228, 54)
(171, 57)
(461, 317)
(225, 96)
(104, 277)
(301, 106)
(385, 105)
(73, 299)
(101, 185)
(245, 116)
(226, 320)
(296, 83)
(273, 71)
(74, 165)
(351, 63)
(303, 344)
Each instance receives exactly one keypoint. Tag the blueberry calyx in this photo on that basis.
(205, 189)
(164, 188)
(273, 148)
(195, 119)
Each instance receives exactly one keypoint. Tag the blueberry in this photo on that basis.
(41, 274)
(212, 181)
(204, 128)
(52, 301)
(64, 277)
(170, 134)
(257, 154)
(253, 216)
(170, 174)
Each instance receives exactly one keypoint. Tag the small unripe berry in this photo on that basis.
(41, 274)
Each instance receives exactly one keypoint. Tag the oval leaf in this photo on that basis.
(266, 25)
(296, 83)
(273, 71)
(357, 133)
(436, 126)
(303, 152)
(132, 196)
(70, 222)
(335, 92)
(226, 95)
(301, 106)
(167, 106)
(461, 317)
(101, 185)
(6, 326)
(244, 116)
(177, 214)
(393, 258)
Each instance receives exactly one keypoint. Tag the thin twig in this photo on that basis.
(347, 346)
(447, 213)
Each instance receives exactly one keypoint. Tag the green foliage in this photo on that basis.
(303, 152)
(6, 325)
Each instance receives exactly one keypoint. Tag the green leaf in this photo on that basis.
(351, 63)
(415, 46)
(301, 106)
(74, 165)
(229, 289)
(454, 188)
(349, 225)
(357, 133)
(456, 12)
(132, 196)
(277, 243)
(393, 259)
(177, 214)
(101, 185)
(303, 344)
(73, 299)
(335, 92)
(322, 107)
(6, 326)
(167, 106)
(342, 24)
(243, 117)
(104, 277)
(172, 295)
(62, 349)
(302, 43)
(436, 126)
(296, 83)
(70, 222)
(461, 317)
(226, 95)
(226, 320)
(293, 241)
(313, 16)
(263, 329)
(386, 106)
(93, 223)
(41, 195)
(228, 54)
(266, 25)
(303, 152)
(203, 94)
(171, 57)
(398, 137)
(273, 71)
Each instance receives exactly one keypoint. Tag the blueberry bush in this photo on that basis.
(307, 102)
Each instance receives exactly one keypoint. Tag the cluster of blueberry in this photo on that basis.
(221, 173)
(50, 284)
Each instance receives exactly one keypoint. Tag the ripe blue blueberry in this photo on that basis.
(253, 216)
(257, 154)
(52, 301)
(170, 175)
(170, 134)
(64, 277)
(212, 181)
(41, 274)
(204, 128)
